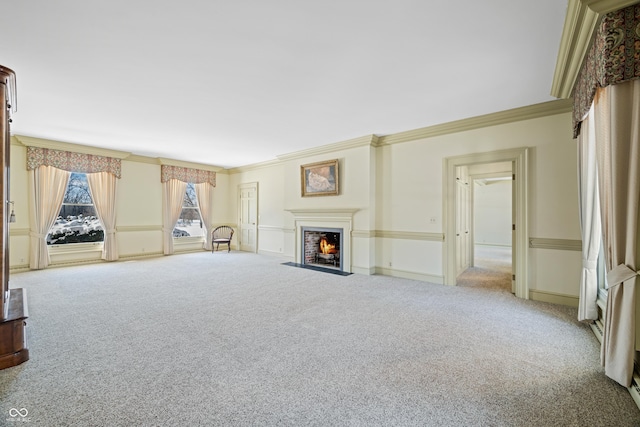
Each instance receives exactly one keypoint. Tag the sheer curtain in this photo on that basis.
(173, 192)
(617, 115)
(589, 219)
(48, 186)
(103, 192)
(204, 193)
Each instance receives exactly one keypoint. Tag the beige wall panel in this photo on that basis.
(139, 195)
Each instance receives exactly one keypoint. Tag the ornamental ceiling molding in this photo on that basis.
(493, 119)
(368, 140)
(544, 109)
(29, 141)
(190, 165)
(579, 26)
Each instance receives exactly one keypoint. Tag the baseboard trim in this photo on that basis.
(634, 389)
(19, 268)
(368, 271)
(410, 275)
(139, 256)
(553, 298)
(275, 254)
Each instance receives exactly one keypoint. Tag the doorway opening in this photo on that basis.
(491, 239)
(460, 234)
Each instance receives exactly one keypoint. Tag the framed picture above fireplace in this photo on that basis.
(320, 179)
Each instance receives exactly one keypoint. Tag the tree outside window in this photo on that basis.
(78, 221)
(190, 222)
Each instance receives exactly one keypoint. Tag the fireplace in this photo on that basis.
(329, 221)
(322, 247)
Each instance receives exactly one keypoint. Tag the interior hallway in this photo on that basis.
(492, 268)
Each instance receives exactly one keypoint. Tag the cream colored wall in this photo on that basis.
(399, 191)
(271, 221)
(279, 189)
(18, 192)
(412, 188)
(139, 214)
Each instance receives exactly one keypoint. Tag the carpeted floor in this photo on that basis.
(491, 269)
(238, 339)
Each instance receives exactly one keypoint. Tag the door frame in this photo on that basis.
(240, 187)
(519, 159)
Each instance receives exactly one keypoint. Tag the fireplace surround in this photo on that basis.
(325, 219)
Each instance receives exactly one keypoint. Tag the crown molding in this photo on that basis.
(30, 141)
(502, 117)
(371, 140)
(162, 161)
(580, 24)
(606, 6)
(544, 109)
(143, 159)
(362, 141)
(183, 164)
(254, 166)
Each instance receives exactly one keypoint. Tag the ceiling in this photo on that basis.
(232, 83)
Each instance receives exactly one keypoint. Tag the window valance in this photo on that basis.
(614, 57)
(72, 162)
(196, 176)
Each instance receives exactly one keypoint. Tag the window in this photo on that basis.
(77, 221)
(190, 222)
(602, 274)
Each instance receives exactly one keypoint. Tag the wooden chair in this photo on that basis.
(222, 234)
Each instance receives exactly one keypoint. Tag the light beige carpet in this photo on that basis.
(237, 339)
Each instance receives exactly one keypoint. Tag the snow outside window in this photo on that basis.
(77, 221)
(190, 223)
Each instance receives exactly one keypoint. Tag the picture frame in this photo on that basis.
(320, 178)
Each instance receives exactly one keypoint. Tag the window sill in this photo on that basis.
(73, 248)
(188, 240)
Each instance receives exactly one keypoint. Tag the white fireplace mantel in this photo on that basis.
(324, 212)
(329, 218)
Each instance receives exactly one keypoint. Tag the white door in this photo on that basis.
(513, 230)
(248, 233)
(463, 215)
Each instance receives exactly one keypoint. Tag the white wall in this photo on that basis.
(492, 217)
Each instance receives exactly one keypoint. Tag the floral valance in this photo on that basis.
(195, 176)
(614, 57)
(72, 162)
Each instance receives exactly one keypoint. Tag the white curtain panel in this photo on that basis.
(47, 188)
(204, 193)
(589, 219)
(103, 192)
(617, 115)
(173, 195)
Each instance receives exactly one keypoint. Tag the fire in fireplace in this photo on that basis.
(322, 247)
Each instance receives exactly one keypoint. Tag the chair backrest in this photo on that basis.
(223, 232)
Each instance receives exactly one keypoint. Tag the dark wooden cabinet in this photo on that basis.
(13, 303)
